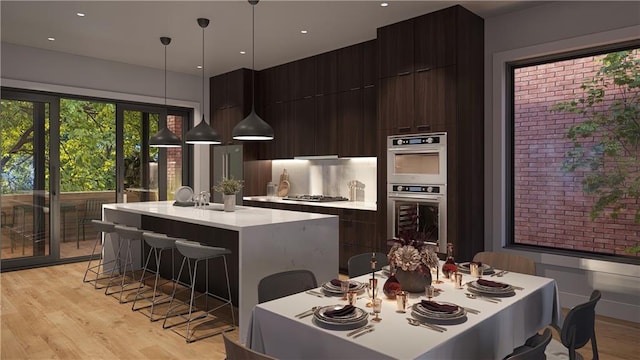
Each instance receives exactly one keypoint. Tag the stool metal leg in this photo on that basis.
(155, 299)
(101, 263)
(128, 263)
(192, 299)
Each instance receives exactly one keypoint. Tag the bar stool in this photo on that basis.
(194, 251)
(127, 235)
(106, 228)
(158, 244)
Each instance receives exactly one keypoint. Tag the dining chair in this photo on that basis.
(533, 348)
(237, 351)
(579, 327)
(361, 264)
(507, 261)
(285, 283)
(92, 211)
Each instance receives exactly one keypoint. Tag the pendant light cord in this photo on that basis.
(253, 57)
(202, 74)
(165, 75)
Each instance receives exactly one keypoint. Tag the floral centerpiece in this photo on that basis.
(412, 261)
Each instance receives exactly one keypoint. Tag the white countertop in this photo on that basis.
(213, 215)
(356, 205)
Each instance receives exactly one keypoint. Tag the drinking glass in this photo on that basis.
(401, 302)
(344, 287)
(377, 308)
(430, 291)
(372, 291)
(458, 278)
(475, 270)
(352, 297)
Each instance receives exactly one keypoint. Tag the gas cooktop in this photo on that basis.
(316, 198)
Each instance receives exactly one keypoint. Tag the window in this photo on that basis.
(548, 205)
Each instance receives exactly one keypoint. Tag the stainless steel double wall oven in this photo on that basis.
(417, 187)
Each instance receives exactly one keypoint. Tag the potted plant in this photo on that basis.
(229, 187)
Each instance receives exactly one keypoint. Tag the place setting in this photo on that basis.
(337, 287)
(491, 289)
(340, 317)
(472, 267)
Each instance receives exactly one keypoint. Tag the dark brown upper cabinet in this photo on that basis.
(276, 84)
(434, 91)
(395, 49)
(225, 119)
(230, 89)
(326, 130)
(369, 62)
(303, 122)
(350, 67)
(278, 115)
(357, 122)
(326, 73)
(303, 78)
(435, 39)
(396, 104)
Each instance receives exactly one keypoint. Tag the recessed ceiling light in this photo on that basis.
(243, 52)
(384, 4)
(199, 66)
(303, 31)
(51, 39)
(80, 14)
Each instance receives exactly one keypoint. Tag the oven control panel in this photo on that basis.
(419, 139)
(419, 189)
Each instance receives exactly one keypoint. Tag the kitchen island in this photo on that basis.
(262, 242)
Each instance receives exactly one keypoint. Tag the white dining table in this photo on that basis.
(491, 334)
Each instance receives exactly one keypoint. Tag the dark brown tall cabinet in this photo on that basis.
(431, 79)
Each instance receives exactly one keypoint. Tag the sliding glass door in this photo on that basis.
(28, 179)
(63, 158)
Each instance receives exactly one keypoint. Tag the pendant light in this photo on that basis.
(203, 133)
(165, 137)
(253, 127)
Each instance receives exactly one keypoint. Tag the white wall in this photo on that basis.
(550, 28)
(45, 70)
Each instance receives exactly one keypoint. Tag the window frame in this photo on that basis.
(509, 142)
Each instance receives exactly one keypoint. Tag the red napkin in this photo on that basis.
(434, 306)
(493, 284)
(344, 311)
(338, 283)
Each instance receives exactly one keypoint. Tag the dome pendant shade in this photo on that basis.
(252, 128)
(165, 138)
(202, 134)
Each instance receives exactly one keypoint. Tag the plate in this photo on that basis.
(386, 270)
(476, 288)
(465, 267)
(183, 194)
(356, 317)
(330, 288)
(421, 310)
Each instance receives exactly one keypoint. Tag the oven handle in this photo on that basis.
(415, 148)
(416, 197)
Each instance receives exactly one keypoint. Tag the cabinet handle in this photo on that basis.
(369, 86)
(424, 126)
(404, 128)
(308, 97)
(425, 69)
(404, 73)
(355, 88)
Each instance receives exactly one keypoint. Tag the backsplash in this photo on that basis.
(328, 177)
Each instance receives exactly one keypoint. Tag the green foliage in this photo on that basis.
(606, 143)
(228, 186)
(87, 146)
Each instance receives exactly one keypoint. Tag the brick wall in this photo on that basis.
(550, 208)
(174, 158)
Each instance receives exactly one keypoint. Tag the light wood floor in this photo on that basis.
(48, 313)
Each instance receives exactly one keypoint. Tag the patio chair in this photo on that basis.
(92, 211)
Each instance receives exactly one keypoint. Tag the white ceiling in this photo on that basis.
(129, 31)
